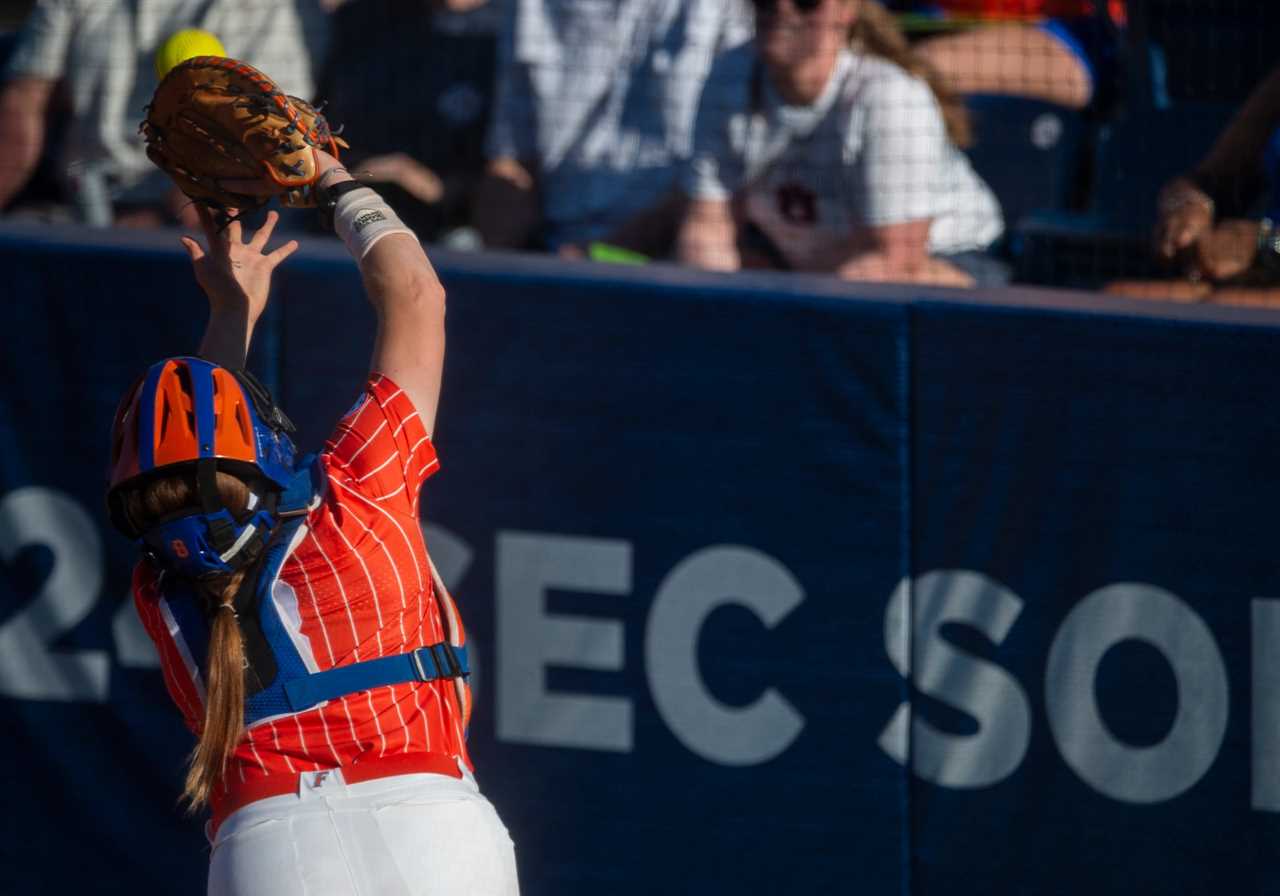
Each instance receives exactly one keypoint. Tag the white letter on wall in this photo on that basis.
(703, 581)
(529, 640)
(974, 686)
(1099, 622)
(1265, 793)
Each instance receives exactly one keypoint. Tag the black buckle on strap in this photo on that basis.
(444, 660)
(451, 663)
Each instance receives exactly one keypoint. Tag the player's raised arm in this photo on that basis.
(400, 283)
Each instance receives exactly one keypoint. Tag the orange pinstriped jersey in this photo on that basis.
(360, 586)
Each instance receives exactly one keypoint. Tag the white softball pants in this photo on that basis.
(407, 835)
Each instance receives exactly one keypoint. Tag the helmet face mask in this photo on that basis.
(187, 415)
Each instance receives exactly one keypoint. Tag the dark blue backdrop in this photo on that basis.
(698, 527)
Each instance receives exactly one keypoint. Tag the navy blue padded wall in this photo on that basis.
(829, 441)
(1057, 454)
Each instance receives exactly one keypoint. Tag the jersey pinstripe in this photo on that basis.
(357, 585)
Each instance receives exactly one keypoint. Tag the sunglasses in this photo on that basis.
(770, 7)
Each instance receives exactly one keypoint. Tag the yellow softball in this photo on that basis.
(184, 44)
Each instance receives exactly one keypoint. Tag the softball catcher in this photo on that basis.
(302, 630)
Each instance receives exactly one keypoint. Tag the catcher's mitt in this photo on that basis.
(214, 119)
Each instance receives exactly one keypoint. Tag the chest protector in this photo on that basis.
(277, 678)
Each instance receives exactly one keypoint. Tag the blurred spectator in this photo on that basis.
(826, 137)
(594, 114)
(102, 52)
(1220, 223)
(1059, 51)
(41, 196)
(416, 130)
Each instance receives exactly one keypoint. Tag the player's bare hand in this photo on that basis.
(1185, 215)
(235, 273)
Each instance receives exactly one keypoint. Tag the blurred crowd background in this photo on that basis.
(1130, 146)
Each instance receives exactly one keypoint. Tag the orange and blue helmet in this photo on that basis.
(187, 415)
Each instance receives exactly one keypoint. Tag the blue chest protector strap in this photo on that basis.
(290, 686)
(429, 663)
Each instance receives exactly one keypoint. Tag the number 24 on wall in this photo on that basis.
(30, 667)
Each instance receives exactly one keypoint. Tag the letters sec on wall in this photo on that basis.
(529, 639)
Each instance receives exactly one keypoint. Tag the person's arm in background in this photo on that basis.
(33, 71)
(1233, 169)
(708, 236)
(1226, 181)
(24, 103)
(507, 208)
(895, 253)
(899, 179)
(709, 226)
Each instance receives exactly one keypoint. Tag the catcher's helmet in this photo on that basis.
(187, 415)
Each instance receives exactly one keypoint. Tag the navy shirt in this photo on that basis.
(402, 78)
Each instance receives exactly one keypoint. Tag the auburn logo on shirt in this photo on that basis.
(797, 204)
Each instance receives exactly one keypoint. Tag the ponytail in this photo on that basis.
(224, 699)
(224, 674)
(876, 32)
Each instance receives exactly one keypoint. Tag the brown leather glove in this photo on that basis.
(215, 119)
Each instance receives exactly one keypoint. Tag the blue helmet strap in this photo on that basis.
(224, 529)
(221, 533)
(209, 539)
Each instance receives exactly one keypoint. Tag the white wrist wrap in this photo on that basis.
(362, 218)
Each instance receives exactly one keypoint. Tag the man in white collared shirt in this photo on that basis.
(594, 117)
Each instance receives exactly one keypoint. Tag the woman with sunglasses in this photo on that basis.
(826, 145)
(301, 628)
